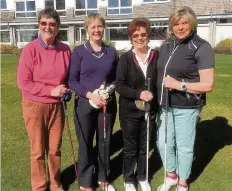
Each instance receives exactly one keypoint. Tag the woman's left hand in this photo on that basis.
(171, 83)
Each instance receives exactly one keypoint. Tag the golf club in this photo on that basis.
(166, 132)
(104, 127)
(64, 99)
(147, 117)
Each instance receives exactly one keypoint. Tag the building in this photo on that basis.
(19, 23)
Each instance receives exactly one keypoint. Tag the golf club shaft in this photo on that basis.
(104, 127)
(70, 139)
(166, 134)
(148, 129)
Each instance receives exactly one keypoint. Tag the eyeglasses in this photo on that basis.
(44, 24)
(143, 35)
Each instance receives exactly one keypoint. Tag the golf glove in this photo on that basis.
(105, 92)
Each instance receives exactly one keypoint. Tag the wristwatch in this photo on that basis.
(183, 86)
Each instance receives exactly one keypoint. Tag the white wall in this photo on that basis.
(10, 4)
(223, 31)
(69, 3)
(40, 4)
(203, 32)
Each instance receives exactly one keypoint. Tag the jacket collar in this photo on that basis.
(150, 58)
(177, 41)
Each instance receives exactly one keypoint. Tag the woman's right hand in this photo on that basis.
(98, 100)
(146, 95)
(58, 91)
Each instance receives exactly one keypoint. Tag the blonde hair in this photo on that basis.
(91, 17)
(183, 12)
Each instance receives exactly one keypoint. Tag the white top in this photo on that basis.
(143, 65)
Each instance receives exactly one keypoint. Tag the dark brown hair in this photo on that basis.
(138, 22)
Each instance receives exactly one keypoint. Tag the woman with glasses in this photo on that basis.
(93, 66)
(42, 70)
(134, 68)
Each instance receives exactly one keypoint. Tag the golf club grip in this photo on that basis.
(149, 84)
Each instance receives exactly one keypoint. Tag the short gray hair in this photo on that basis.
(49, 13)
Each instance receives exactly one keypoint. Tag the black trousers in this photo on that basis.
(89, 121)
(134, 150)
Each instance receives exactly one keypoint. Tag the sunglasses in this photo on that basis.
(143, 35)
(44, 24)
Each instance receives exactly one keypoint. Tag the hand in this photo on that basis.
(67, 96)
(98, 100)
(171, 83)
(58, 91)
(146, 96)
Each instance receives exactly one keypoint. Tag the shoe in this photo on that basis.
(181, 188)
(169, 184)
(106, 186)
(145, 185)
(129, 187)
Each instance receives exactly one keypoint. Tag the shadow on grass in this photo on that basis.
(68, 177)
(211, 136)
(116, 163)
(155, 162)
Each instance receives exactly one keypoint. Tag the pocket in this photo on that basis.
(29, 107)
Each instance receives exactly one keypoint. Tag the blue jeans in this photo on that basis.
(181, 132)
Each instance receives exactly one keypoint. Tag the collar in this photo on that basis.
(46, 46)
(151, 56)
(90, 48)
(173, 37)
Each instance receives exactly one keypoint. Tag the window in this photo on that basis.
(117, 32)
(84, 7)
(26, 33)
(59, 5)
(5, 34)
(119, 7)
(62, 35)
(3, 4)
(222, 20)
(156, 1)
(159, 33)
(81, 35)
(203, 21)
(25, 8)
(159, 30)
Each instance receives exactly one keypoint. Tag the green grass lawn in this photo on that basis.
(212, 167)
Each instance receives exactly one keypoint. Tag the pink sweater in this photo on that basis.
(41, 69)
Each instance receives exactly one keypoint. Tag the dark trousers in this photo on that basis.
(89, 120)
(134, 151)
